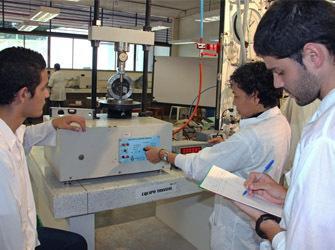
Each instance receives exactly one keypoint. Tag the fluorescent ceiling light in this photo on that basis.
(183, 42)
(209, 16)
(160, 26)
(44, 14)
(209, 19)
(70, 30)
(27, 26)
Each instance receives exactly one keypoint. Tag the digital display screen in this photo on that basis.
(188, 150)
(131, 149)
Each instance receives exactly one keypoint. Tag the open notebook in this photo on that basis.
(226, 184)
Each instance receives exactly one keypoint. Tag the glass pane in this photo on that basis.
(162, 51)
(139, 58)
(130, 61)
(82, 54)
(61, 52)
(10, 40)
(39, 44)
(106, 56)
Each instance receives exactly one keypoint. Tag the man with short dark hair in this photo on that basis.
(23, 89)
(264, 136)
(296, 39)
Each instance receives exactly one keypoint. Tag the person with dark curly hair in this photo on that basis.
(264, 135)
(296, 39)
(23, 89)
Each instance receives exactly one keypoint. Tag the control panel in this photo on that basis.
(131, 149)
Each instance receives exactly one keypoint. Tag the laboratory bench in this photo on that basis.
(72, 206)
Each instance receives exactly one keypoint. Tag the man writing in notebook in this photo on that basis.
(296, 39)
(264, 136)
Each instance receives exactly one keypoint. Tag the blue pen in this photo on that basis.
(266, 169)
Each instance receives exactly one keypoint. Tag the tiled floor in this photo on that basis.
(136, 228)
(143, 234)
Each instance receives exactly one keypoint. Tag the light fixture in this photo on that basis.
(183, 42)
(155, 26)
(27, 26)
(44, 14)
(70, 30)
(209, 16)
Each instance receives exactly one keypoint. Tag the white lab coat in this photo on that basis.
(260, 140)
(57, 83)
(297, 116)
(17, 207)
(308, 214)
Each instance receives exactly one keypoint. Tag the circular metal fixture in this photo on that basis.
(123, 56)
(117, 89)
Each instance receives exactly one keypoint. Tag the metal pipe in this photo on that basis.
(146, 57)
(219, 67)
(3, 13)
(95, 45)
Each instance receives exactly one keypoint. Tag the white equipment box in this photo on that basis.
(108, 147)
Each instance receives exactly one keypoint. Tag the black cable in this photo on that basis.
(190, 108)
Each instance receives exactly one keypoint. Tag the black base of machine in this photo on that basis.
(121, 109)
(119, 114)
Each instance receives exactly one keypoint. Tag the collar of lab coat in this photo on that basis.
(265, 115)
(8, 136)
(328, 101)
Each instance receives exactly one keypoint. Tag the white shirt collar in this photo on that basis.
(327, 101)
(8, 136)
(254, 120)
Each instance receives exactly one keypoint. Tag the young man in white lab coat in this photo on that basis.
(264, 136)
(23, 89)
(297, 41)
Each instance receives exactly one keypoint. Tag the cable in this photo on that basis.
(175, 131)
(195, 98)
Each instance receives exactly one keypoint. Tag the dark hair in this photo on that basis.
(57, 66)
(289, 24)
(19, 67)
(255, 78)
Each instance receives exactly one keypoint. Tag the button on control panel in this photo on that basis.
(131, 149)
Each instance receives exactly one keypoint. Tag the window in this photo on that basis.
(82, 54)
(139, 58)
(130, 61)
(106, 56)
(37, 43)
(61, 51)
(162, 51)
(10, 40)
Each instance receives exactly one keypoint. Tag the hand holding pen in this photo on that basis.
(263, 185)
(266, 170)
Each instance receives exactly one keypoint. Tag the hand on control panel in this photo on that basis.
(152, 154)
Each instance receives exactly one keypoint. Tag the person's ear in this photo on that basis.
(255, 97)
(314, 55)
(22, 95)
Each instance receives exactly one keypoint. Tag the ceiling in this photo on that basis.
(116, 13)
(162, 8)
